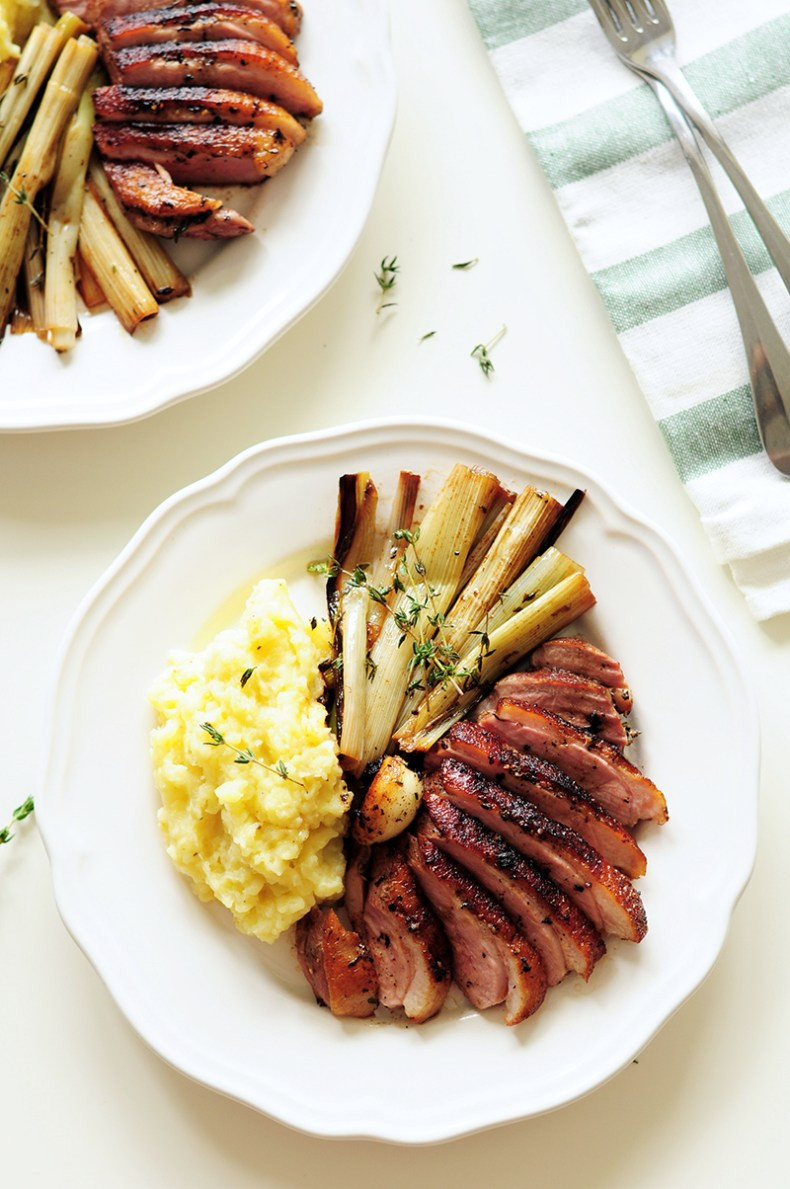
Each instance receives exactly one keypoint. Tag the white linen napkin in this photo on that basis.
(633, 209)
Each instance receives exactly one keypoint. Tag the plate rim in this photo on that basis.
(350, 436)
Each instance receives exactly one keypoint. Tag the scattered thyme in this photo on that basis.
(244, 755)
(21, 198)
(20, 813)
(481, 352)
(464, 264)
(246, 675)
(428, 335)
(385, 279)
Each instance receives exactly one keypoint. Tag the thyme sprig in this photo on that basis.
(385, 279)
(433, 661)
(244, 755)
(20, 813)
(481, 352)
(22, 198)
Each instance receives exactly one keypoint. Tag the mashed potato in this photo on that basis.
(266, 845)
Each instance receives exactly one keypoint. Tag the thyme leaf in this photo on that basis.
(244, 755)
(19, 814)
(481, 352)
(463, 264)
(385, 279)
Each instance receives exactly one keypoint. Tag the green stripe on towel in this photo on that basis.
(621, 128)
(712, 434)
(510, 20)
(680, 272)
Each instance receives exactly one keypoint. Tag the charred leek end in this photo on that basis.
(113, 267)
(40, 51)
(428, 578)
(37, 161)
(390, 805)
(65, 213)
(507, 645)
(348, 600)
(161, 275)
(527, 524)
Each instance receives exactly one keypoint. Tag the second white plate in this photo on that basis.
(247, 292)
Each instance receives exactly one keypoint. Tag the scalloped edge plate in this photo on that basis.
(246, 292)
(236, 1015)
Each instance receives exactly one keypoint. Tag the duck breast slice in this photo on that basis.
(493, 962)
(601, 891)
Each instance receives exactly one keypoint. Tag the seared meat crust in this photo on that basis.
(596, 765)
(493, 962)
(193, 105)
(207, 21)
(581, 657)
(581, 702)
(208, 154)
(410, 951)
(239, 64)
(336, 964)
(544, 785)
(600, 890)
(154, 203)
(559, 931)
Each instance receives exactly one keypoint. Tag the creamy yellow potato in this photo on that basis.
(262, 837)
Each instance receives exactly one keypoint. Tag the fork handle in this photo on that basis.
(767, 355)
(771, 233)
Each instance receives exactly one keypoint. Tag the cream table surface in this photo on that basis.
(83, 1102)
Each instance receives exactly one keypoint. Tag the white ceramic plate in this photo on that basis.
(235, 1014)
(248, 291)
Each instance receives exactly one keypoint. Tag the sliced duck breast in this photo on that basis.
(493, 962)
(596, 765)
(207, 154)
(546, 786)
(241, 65)
(214, 21)
(579, 656)
(336, 964)
(581, 702)
(285, 13)
(193, 105)
(559, 931)
(600, 890)
(154, 203)
(408, 945)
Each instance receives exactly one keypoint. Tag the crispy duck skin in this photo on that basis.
(559, 931)
(546, 786)
(208, 21)
(336, 964)
(193, 105)
(239, 64)
(601, 891)
(285, 13)
(581, 702)
(207, 154)
(409, 949)
(493, 961)
(596, 765)
(581, 657)
(154, 203)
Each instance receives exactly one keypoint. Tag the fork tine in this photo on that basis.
(652, 13)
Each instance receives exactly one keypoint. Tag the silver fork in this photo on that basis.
(642, 34)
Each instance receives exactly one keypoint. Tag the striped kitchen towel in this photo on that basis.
(634, 211)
